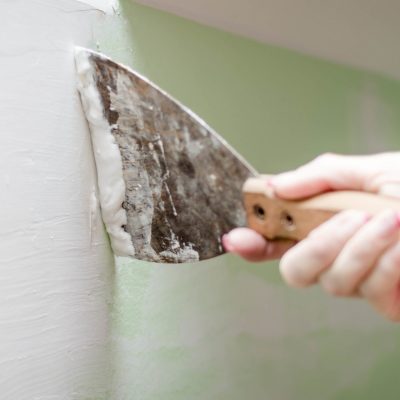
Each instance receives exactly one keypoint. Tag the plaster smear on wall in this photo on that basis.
(55, 260)
(110, 180)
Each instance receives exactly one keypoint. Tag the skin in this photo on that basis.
(351, 255)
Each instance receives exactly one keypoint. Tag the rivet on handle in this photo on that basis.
(287, 221)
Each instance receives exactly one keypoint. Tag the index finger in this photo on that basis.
(324, 173)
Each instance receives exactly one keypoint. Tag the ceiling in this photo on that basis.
(360, 33)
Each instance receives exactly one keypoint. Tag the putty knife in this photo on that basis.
(169, 186)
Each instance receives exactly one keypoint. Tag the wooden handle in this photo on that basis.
(283, 219)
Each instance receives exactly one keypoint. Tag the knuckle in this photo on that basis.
(331, 232)
(370, 291)
(292, 272)
(301, 268)
(319, 249)
(358, 256)
(325, 159)
(333, 285)
(387, 270)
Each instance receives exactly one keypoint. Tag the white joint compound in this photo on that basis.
(110, 182)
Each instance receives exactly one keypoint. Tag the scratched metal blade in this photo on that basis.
(183, 182)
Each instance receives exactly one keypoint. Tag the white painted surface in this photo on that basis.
(361, 33)
(55, 260)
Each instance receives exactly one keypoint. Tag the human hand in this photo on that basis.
(352, 254)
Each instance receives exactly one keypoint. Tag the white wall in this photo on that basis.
(55, 261)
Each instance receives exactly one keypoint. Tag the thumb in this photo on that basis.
(252, 246)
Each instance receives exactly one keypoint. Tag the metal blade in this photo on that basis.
(183, 183)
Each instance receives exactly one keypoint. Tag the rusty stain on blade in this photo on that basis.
(183, 182)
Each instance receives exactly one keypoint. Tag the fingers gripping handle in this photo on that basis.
(285, 219)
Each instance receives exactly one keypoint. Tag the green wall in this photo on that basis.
(227, 329)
